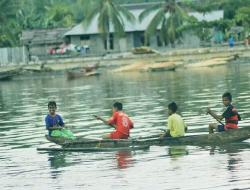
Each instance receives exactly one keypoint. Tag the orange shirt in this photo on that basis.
(122, 122)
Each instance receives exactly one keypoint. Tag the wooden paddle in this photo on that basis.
(215, 118)
(96, 118)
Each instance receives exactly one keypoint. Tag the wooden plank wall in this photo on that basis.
(13, 56)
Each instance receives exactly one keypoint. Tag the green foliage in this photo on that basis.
(243, 15)
(231, 6)
(205, 7)
(8, 10)
(202, 29)
(19, 15)
(168, 25)
(59, 15)
(137, 1)
(109, 15)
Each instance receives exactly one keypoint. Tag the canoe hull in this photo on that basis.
(73, 75)
(130, 148)
(157, 69)
(207, 139)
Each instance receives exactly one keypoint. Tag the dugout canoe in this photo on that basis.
(78, 74)
(97, 149)
(206, 139)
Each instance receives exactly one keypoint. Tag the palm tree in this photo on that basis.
(8, 9)
(109, 14)
(167, 25)
(59, 15)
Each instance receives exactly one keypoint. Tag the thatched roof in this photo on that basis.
(43, 36)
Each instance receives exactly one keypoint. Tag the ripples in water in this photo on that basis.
(23, 107)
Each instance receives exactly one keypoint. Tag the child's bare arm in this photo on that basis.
(103, 120)
(214, 115)
(165, 134)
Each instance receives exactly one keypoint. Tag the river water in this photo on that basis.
(23, 107)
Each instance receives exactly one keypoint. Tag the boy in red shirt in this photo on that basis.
(230, 114)
(122, 122)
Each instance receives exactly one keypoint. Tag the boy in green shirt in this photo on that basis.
(176, 125)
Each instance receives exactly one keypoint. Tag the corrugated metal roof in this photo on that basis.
(137, 26)
(41, 36)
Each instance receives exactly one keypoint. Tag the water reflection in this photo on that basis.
(124, 159)
(58, 159)
(23, 106)
(234, 158)
(177, 151)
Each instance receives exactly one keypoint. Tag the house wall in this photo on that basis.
(75, 40)
(133, 39)
(41, 49)
(190, 40)
(96, 44)
(153, 42)
(13, 55)
(123, 44)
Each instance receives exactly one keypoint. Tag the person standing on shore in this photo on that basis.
(231, 42)
(247, 42)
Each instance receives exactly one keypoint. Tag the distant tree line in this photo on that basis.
(19, 15)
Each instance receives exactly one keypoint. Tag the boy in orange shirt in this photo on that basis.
(122, 122)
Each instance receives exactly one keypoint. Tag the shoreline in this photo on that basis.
(187, 56)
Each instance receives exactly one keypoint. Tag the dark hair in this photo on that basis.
(118, 105)
(52, 103)
(227, 95)
(172, 106)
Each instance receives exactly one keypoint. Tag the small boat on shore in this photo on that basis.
(206, 139)
(7, 75)
(87, 69)
(82, 72)
(78, 74)
(160, 68)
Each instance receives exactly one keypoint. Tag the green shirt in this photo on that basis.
(176, 125)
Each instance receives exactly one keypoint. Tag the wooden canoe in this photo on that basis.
(206, 139)
(169, 68)
(97, 149)
(7, 75)
(87, 69)
(77, 74)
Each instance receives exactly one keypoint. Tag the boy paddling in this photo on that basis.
(122, 122)
(176, 125)
(231, 116)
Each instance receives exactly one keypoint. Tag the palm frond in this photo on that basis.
(117, 22)
(128, 15)
(163, 31)
(154, 23)
(149, 10)
(103, 21)
(90, 15)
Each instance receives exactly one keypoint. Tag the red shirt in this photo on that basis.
(122, 122)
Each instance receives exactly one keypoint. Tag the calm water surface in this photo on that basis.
(23, 107)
